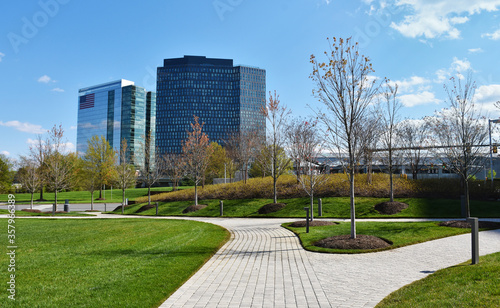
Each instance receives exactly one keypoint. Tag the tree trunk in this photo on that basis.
(353, 210)
(275, 180)
(55, 195)
(312, 205)
(149, 195)
(195, 194)
(100, 193)
(466, 192)
(31, 207)
(41, 192)
(391, 186)
(123, 200)
(92, 200)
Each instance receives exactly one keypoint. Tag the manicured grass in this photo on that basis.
(84, 196)
(399, 233)
(105, 263)
(24, 213)
(458, 286)
(333, 207)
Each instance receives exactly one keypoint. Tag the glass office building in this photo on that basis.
(117, 110)
(227, 98)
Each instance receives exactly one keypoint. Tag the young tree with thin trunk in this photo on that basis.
(59, 167)
(389, 116)
(29, 176)
(345, 88)
(125, 172)
(38, 152)
(242, 148)
(197, 150)
(305, 143)
(174, 168)
(277, 116)
(98, 165)
(152, 168)
(415, 134)
(461, 129)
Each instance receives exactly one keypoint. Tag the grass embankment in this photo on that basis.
(398, 233)
(458, 286)
(333, 207)
(105, 263)
(114, 196)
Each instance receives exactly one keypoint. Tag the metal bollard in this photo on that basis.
(221, 205)
(105, 207)
(307, 219)
(66, 205)
(474, 239)
(320, 207)
(54, 207)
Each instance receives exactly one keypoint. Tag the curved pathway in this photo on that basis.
(264, 265)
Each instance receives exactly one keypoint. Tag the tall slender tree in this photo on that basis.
(152, 168)
(29, 176)
(125, 172)
(197, 150)
(277, 116)
(175, 168)
(345, 88)
(461, 129)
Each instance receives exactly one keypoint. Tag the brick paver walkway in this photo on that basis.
(264, 265)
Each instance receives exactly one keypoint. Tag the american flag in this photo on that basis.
(87, 101)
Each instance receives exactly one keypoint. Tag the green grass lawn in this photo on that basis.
(23, 213)
(105, 263)
(114, 196)
(399, 233)
(333, 207)
(458, 286)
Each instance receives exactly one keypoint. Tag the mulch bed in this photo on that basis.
(360, 242)
(314, 223)
(271, 208)
(194, 208)
(145, 208)
(390, 208)
(465, 224)
(31, 211)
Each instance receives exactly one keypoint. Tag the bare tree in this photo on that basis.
(368, 132)
(305, 143)
(29, 175)
(197, 150)
(389, 116)
(125, 172)
(174, 168)
(461, 129)
(242, 148)
(344, 86)
(414, 134)
(38, 152)
(152, 168)
(277, 115)
(59, 167)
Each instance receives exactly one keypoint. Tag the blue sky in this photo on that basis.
(51, 48)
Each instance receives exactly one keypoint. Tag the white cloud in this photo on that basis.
(57, 90)
(487, 96)
(24, 127)
(6, 153)
(438, 18)
(492, 36)
(422, 98)
(44, 79)
(457, 67)
(475, 50)
(406, 85)
(1, 56)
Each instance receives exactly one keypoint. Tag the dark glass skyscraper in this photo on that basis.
(227, 98)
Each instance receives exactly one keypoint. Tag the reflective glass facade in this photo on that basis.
(226, 98)
(116, 110)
